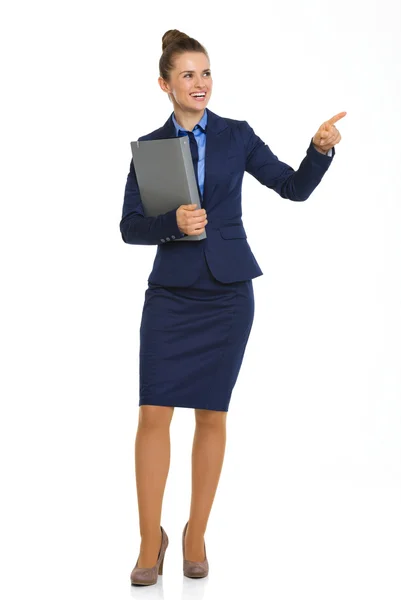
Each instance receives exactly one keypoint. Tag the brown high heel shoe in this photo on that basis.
(193, 568)
(148, 576)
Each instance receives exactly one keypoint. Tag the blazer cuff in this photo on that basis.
(318, 157)
(169, 229)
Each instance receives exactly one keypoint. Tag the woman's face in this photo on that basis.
(191, 74)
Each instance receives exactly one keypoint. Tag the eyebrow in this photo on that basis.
(194, 71)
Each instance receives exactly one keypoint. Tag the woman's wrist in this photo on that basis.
(320, 149)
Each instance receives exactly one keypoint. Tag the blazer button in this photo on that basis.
(167, 239)
(162, 240)
(173, 237)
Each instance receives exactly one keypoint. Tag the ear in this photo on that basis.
(164, 86)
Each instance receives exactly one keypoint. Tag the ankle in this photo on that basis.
(195, 532)
(151, 537)
(192, 541)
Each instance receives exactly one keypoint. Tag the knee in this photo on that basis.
(210, 418)
(155, 416)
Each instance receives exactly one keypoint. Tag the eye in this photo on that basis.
(190, 74)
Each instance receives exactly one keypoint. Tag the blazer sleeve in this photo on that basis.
(279, 176)
(135, 228)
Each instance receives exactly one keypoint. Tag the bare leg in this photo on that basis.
(152, 462)
(207, 461)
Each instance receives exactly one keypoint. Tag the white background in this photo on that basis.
(309, 499)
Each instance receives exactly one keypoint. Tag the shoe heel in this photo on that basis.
(161, 566)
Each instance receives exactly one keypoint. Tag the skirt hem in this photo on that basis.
(182, 406)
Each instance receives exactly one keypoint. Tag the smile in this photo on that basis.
(197, 95)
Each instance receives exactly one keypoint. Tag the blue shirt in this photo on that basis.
(199, 132)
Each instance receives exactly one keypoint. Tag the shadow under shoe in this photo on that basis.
(192, 568)
(148, 576)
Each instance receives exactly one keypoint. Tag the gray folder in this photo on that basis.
(166, 177)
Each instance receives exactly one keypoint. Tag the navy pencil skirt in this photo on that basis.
(192, 342)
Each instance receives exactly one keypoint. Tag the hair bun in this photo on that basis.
(172, 35)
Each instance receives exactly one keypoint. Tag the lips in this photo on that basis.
(198, 99)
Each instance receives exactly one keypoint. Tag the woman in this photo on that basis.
(199, 305)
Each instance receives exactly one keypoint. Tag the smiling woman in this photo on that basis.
(195, 323)
(199, 305)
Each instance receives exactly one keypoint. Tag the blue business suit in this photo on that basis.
(232, 148)
(199, 305)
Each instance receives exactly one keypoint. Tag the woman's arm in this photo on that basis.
(135, 228)
(278, 175)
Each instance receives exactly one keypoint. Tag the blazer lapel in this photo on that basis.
(217, 147)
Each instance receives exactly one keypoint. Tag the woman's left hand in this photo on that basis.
(327, 135)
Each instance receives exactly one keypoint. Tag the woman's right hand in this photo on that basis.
(190, 219)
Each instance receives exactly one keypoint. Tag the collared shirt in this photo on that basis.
(199, 132)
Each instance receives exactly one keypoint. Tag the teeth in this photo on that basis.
(199, 95)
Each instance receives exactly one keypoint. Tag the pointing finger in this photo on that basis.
(336, 118)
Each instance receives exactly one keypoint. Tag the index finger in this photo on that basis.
(336, 118)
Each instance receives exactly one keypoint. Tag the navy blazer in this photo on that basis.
(232, 147)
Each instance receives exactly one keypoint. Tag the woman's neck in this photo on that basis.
(188, 119)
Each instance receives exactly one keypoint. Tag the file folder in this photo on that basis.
(166, 177)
